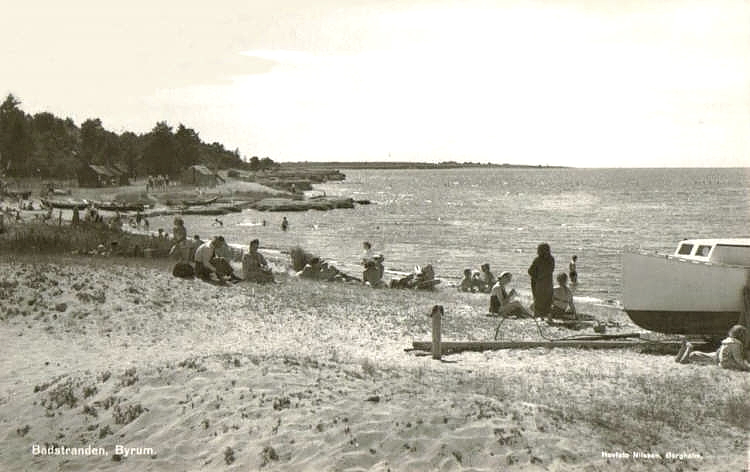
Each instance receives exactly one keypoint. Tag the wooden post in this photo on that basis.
(437, 314)
(59, 218)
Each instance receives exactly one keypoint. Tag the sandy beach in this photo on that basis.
(159, 373)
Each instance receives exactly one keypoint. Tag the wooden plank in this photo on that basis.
(458, 346)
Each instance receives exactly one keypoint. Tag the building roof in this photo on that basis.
(105, 170)
(202, 169)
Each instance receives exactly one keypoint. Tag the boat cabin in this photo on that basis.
(718, 251)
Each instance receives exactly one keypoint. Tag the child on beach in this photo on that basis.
(730, 354)
(488, 278)
(572, 270)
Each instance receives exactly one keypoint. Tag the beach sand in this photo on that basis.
(194, 376)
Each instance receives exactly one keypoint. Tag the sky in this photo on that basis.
(583, 83)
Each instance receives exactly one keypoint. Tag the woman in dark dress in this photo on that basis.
(541, 271)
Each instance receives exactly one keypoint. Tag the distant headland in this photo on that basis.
(409, 165)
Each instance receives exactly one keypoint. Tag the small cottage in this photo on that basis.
(92, 175)
(200, 176)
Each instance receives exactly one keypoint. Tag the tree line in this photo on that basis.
(44, 145)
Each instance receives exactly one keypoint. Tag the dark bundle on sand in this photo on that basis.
(313, 267)
(300, 258)
(423, 278)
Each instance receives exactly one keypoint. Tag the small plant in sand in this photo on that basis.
(368, 368)
(267, 455)
(128, 414)
(129, 378)
(62, 395)
(228, 455)
(105, 431)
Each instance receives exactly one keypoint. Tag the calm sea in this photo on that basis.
(461, 218)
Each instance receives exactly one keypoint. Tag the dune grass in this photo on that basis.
(41, 238)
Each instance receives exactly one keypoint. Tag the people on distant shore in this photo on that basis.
(562, 299)
(254, 265)
(504, 302)
(573, 270)
(541, 271)
(730, 354)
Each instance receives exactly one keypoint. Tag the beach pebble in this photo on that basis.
(61, 306)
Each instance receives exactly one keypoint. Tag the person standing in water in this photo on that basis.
(572, 270)
(284, 224)
(541, 271)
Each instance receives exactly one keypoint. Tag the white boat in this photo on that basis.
(696, 290)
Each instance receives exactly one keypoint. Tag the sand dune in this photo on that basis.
(192, 376)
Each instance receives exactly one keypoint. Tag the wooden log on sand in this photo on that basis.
(447, 347)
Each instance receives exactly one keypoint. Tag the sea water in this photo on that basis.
(460, 218)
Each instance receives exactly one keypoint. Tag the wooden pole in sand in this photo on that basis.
(437, 314)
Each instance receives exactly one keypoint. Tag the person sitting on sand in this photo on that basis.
(311, 269)
(374, 270)
(207, 262)
(254, 265)
(487, 278)
(730, 354)
(502, 302)
(222, 256)
(466, 284)
(562, 299)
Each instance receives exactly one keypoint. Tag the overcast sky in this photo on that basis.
(586, 83)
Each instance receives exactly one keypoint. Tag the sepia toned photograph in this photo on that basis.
(373, 235)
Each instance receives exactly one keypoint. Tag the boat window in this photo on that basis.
(685, 249)
(703, 251)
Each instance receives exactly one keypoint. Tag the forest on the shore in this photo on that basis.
(46, 146)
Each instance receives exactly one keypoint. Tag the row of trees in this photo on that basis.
(44, 145)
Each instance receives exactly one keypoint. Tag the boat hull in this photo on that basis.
(64, 205)
(709, 323)
(670, 295)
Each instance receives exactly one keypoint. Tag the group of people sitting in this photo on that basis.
(478, 281)
(422, 278)
(505, 302)
(211, 258)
